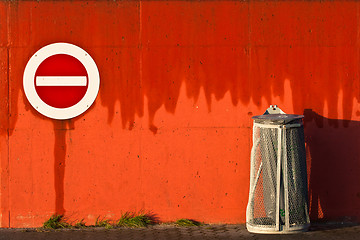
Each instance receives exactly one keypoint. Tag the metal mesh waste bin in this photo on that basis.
(278, 201)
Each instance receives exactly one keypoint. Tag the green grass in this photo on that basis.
(80, 224)
(132, 220)
(103, 223)
(56, 222)
(186, 222)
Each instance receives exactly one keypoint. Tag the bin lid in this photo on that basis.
(277, 119)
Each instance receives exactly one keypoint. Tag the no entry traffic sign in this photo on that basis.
(61, 81)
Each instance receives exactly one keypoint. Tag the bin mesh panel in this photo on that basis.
(263, 178)
(297, 178)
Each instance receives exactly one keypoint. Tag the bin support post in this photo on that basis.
(278, 174)
(285, 179)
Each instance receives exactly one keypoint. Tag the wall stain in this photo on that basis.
(200, 58)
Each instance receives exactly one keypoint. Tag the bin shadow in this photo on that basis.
(333, 158)
(323, 225)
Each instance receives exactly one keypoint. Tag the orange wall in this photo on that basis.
(170, 131)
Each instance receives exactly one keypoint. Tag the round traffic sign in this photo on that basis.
(61, 81)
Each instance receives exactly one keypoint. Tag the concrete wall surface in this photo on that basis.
(170, 131)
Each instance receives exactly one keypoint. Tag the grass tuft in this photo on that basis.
(55, 222)
(103, 223)
(131, 220)
(80, 224)
(187, 222)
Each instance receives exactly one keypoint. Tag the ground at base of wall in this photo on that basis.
(164, 231)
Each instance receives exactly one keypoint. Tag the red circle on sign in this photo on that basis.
(60, 95)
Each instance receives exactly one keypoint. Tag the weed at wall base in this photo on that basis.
(132, 220)
(129, 220)
(187, 222)
(55, 222)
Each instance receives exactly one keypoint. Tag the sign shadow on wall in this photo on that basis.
(333, 154)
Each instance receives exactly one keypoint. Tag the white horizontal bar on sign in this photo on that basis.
(76, 81)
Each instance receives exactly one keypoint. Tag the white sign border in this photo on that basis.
(87, 62)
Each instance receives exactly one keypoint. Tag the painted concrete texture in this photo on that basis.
(170, 132)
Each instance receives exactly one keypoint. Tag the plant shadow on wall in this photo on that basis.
(333, 152)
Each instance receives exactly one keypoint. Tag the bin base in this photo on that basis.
(272, 230)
